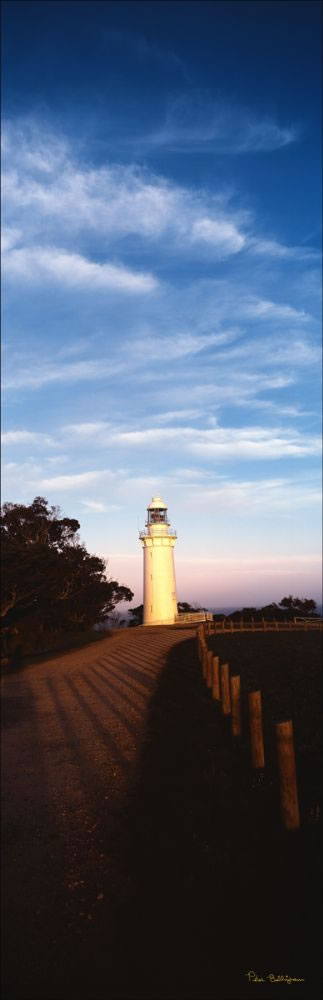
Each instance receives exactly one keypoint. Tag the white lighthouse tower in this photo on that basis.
(158, 540)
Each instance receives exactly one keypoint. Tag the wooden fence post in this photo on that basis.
(252, 625)
(287, 775)
(204, 662)
(216, 679)
(209, 668)
(235, 706)
(225, 689)
(256, 733)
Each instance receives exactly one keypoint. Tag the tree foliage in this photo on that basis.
(289, 607)
(298, 605)
(49, 578)
(136, 615)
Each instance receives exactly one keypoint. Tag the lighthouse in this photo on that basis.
(158, 540)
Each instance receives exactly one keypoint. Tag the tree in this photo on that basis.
(137, 615)
(298, 605)
(50, 580)
(185, 608)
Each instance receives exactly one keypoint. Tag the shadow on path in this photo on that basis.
(200, 884)
(220, 889)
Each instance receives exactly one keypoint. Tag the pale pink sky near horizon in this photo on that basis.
(226, 582)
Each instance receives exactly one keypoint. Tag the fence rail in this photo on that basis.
(304, 625)
(194, 616)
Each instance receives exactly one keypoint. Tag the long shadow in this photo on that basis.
(116, 690)
(133, 686)
(203, 886)
(102, 699)
(129, 670)
(19, 662)
(30, 930)
(221, 891)
(102, 729)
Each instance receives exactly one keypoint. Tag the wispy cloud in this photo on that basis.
(35, 376)
(53, 199)
(198, 121)
(98, 507)
(258, 308)
(225, 443)
(38, 264)
(73, 481)
(23, 437)
(272, 248)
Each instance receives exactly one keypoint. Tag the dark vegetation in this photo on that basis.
(51, 584)
(287, 609)
(136, 615)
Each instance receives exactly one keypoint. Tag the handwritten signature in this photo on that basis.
(271, 978)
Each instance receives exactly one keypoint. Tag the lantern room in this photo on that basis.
(157, 512)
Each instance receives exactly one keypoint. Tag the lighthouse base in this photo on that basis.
(161, 621)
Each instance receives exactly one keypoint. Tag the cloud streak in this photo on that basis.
(35, 265)
(197, 121)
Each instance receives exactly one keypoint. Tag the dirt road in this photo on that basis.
(73, 728)
(137, 862)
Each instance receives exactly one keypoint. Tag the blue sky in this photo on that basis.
(161, 283)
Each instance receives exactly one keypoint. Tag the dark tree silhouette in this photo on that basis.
(185, 608)
(137, 615)
(299, 606)
(50, 581)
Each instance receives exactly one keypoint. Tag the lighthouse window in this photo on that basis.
(158, 516)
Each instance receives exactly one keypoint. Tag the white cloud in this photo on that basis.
(177, 345)
(262, 496)
(222, 234)
(74, 480)
(27, 437)
(223, 443)
(170, 415)
(9, 237)
(258, 308)
(272, 248)
(55, 199)
(36, 376)
(38, 264)
(86, 431)
(98, 507)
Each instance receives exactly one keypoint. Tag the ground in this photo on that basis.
(142, 858)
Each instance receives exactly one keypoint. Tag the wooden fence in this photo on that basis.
(273, 625)
(226, 692)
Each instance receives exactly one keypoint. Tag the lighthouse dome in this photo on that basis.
(157, 504)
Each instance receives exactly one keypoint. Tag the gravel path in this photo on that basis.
(140, 858)
(73, 730)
